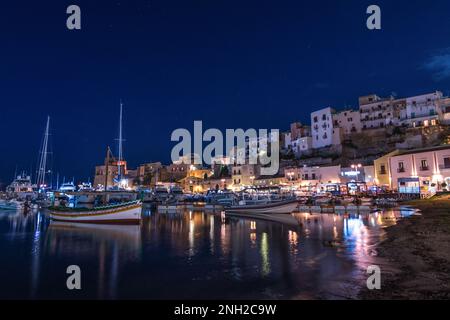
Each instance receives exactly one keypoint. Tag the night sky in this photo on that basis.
(232, 64)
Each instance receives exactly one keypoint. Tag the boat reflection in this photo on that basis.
(194, 255)
(109, 247)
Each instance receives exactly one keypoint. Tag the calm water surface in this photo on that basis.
(191, 255)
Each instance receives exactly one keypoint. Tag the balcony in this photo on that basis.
(444, 166)
(401, 170)
(382, 172)
(424, 168)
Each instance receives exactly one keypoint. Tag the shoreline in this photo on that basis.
(419, 250)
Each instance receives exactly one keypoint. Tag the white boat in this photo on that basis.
(220, 197)
(274, 207)
(21, 187)
(176, 192)
(129, 212)
(160, 193)
(67, 187)
(11, 205)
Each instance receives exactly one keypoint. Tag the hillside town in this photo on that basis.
(388, 144)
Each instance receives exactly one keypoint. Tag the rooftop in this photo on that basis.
(428, 149)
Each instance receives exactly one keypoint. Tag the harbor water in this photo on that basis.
(192, 255)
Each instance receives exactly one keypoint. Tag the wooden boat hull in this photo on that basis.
(125, 215)
(277, 207)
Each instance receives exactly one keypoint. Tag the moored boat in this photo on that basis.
(21, 188)
(129, 212)
(287, 206)
(67, 187)
(11, 205)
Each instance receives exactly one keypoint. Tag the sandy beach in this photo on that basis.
(419, 248)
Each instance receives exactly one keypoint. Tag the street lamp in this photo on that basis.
(356, 168)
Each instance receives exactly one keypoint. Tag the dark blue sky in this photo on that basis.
(233, 63)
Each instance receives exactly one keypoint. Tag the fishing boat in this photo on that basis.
(287, 206)
(124, 213)
(11, 205)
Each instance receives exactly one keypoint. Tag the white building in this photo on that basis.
(312, 176)
(444, 111)
(421, 171)
(421, 110)
(348, 120)
(379, 112)
(322, 129)
(287, 140)
(302, 146)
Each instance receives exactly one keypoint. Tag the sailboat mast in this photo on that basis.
(120, 144)
(43, 157)
(108, 151)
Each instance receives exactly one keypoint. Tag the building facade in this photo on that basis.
(149, 173)
(302, 146)
(444, 111)
(322, 129)
(382, 169)
(421, 171)
(421, 110)
(377, 112)
(348, 120)
(244, 175)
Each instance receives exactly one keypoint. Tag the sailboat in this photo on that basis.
(119, 180)
(43, 171)
(123, 213)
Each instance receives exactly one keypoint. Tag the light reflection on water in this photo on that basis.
(191, 255)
